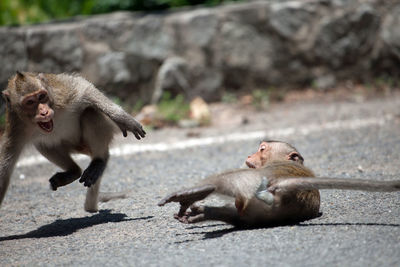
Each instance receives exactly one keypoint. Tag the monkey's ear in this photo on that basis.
(295, 156)
(42, 78)
(20, 75)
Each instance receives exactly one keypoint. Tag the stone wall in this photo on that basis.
(204, 51)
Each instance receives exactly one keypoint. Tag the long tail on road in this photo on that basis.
(288, 184)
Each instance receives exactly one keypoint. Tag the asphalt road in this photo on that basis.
(344, 139)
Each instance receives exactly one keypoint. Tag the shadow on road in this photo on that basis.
(69, 226)
(349, 224)
(222, 232)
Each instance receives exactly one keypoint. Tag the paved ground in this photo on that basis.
(341, 138)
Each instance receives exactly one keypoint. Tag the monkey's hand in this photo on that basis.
(188, 195)
(129, 124)
(196, 214)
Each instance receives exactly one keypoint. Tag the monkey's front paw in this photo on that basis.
(131, 125)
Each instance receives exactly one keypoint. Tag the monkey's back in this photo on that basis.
(292, 206)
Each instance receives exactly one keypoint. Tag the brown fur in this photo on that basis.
(278, 190)
(62, 114)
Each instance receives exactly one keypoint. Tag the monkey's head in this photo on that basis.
(27, 96)
(272, 151)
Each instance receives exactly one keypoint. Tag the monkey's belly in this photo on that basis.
(82, 148)
(306, 207)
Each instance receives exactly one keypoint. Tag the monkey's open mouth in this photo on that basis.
(46, 126)
(250, 165)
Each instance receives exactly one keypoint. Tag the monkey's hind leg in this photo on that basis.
(97, 133)
(60, 156)
(197, 214)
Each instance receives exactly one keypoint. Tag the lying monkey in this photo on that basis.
(62, 114)
(277, 189)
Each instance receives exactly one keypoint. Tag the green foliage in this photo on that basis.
(229, 98)
(385, 82)
(33, 11)
(260, 99)
(173, 109)
(139, 104)
(13, 12)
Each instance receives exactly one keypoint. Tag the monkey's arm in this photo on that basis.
(187, 197)
(241, 184)
(93, 97)
(12, 143)
(288, 184)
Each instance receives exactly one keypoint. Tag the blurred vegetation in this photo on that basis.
(16, 12)
(260, 99)
(173, 109)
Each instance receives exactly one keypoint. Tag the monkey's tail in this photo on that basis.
(107, 196)
(288, 184)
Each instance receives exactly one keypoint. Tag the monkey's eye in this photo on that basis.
(262, 148)
(42, 97)
(29, 103)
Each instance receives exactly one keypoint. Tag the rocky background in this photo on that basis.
(207, 51)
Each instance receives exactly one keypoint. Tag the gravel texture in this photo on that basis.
(39, 227)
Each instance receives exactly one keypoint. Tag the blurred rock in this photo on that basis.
(149, 116)
(172, 76)
(199, 111)
(206, 51)
(13, 54)
(186, 123)
(325, 82)
(391, 32)
(54, 48)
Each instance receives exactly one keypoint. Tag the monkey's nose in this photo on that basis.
(44, 112)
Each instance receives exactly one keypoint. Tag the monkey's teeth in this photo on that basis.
(46, 126)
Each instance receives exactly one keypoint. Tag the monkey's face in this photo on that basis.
(36, 107)
(272, 151)
(259, 159)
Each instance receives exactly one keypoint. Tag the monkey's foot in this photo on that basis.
(196, 214)
(53, 183)
(91, 209)
(93, 172)
(63, 178)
